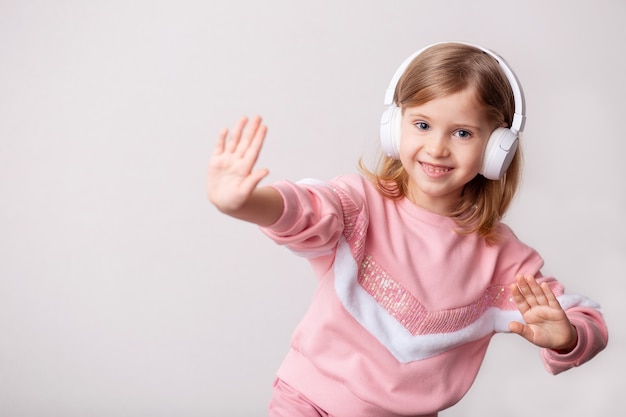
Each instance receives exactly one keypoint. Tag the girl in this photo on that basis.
(416, 272)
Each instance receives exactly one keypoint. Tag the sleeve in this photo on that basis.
(583, 313)
(586, 317)
(312, 221)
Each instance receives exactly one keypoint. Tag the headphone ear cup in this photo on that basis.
(390, 124)
(499, 153)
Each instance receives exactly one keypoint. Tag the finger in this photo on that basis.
(253, 180)
(248, 135)
(221, 141)
(519, 299)
(254, 149)
(235, 135)
(549, 294)
(526, 290)
(536, 290)
(516, 327)
(521, 329)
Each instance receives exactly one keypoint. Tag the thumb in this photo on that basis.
(520, 329)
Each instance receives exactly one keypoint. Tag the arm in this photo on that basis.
(232, 182)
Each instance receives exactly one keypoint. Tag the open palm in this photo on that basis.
(547, 324)
(231, 177)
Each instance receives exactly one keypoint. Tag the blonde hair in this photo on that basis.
(439, 71)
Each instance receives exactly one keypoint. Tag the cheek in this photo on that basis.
(478, 159)
(406, 146)
(474, 159)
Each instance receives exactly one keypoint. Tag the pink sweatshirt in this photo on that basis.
(405, 306)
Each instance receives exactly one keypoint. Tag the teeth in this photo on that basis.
(436, 170)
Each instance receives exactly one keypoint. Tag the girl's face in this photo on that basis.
(441, 148)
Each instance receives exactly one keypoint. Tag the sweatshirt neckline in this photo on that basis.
(422, 214)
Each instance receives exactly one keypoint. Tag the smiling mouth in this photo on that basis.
(435, 169)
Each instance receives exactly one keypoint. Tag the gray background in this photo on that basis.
(124, 293)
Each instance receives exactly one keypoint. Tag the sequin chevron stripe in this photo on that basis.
(407, 309)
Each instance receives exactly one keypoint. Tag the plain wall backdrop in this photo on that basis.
(123, 292)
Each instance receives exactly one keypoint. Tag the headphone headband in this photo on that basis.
(519, 116)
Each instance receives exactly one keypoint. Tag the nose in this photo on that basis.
(437, 145)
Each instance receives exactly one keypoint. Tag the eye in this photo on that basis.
(463, 134)
(422, 125)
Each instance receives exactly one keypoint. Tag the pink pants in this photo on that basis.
(287, 402)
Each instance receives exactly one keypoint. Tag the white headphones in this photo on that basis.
(502, 143)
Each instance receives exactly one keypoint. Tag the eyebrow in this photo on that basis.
(473, 128)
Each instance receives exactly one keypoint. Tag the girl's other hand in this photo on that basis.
(547, 325)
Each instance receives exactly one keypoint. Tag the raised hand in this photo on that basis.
(231, 177)
(547, 324)
(232, 181)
